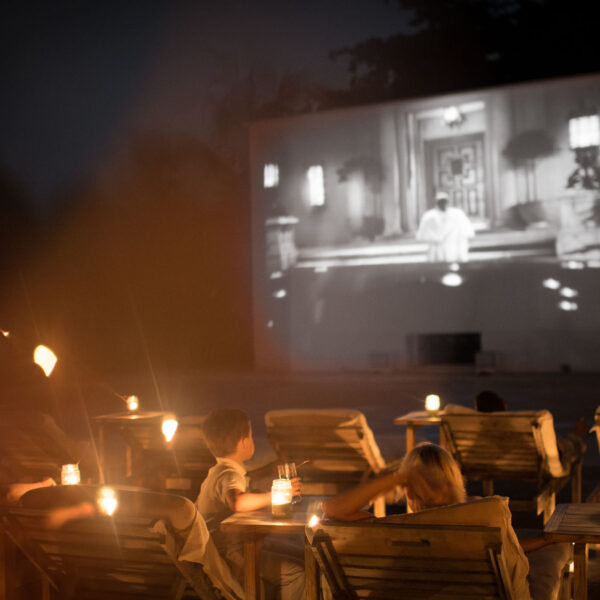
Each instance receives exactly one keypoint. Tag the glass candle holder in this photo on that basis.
(69, 475)
(133, 403)
(432, 404)
(281, 498)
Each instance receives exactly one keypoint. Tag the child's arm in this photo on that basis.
(239, 501)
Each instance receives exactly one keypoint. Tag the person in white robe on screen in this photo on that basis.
(447, 230)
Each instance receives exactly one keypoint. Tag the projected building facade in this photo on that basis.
(335, 236)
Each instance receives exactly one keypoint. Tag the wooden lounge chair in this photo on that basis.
(338, 444)
(179, 466)
(511, 446)
(596, 426)
(594, 495)
(391, 561)
(130, 555)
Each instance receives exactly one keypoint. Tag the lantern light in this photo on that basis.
(45, 358)
(133, 403)
(281, 498)
(584, 131)
(169, 427)
(69, 475)
(453, 116)
(107, 501)
(432, 403)
(313, 521)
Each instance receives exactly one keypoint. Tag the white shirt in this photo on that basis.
(212, 504)
(447, 232)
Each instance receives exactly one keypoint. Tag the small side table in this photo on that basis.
(414, 420)
(580, 525)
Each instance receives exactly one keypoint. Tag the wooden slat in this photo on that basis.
(399, 563)
(504, 447)
(374, 560)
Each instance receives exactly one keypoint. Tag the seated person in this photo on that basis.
(570, 447)
(488, 401)
(431, 479)
(228, 435)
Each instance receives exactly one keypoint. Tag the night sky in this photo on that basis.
(78, 78)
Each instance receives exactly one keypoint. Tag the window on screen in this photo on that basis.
(271, 175)
(316, 186)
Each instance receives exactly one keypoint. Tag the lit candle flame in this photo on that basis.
(313, 521)
(45, 358)
(107, 501)
(432, 403)
(133, 403)
(169, 427)
(5, 333)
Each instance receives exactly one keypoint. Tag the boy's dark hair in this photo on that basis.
(224, 428)
(488, 401)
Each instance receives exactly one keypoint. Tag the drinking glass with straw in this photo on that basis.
(289, 471)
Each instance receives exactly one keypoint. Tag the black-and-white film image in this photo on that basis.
(504, 174)
(450, 189)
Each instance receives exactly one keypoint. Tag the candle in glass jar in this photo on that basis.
(69, 475)
(432, 403)
(133, 403)
(281, 498)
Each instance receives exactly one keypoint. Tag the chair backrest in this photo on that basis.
(98, 556)
(503, 445)
(596, 426)
(390, 561)
(338, 443)
(32, 446)
(187, 457)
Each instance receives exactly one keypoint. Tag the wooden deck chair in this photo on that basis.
(179, 466)
(391, 561)
(338, 444)
(596, 426)
(33, 447)
(594, 495)
(128, 556)
(511, 446)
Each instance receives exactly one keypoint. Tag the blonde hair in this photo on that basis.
(432, 477)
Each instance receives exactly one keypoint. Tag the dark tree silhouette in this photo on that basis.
(462, 44)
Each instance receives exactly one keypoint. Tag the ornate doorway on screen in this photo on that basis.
(456, 165)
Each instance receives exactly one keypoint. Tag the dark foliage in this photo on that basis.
(463, 44)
